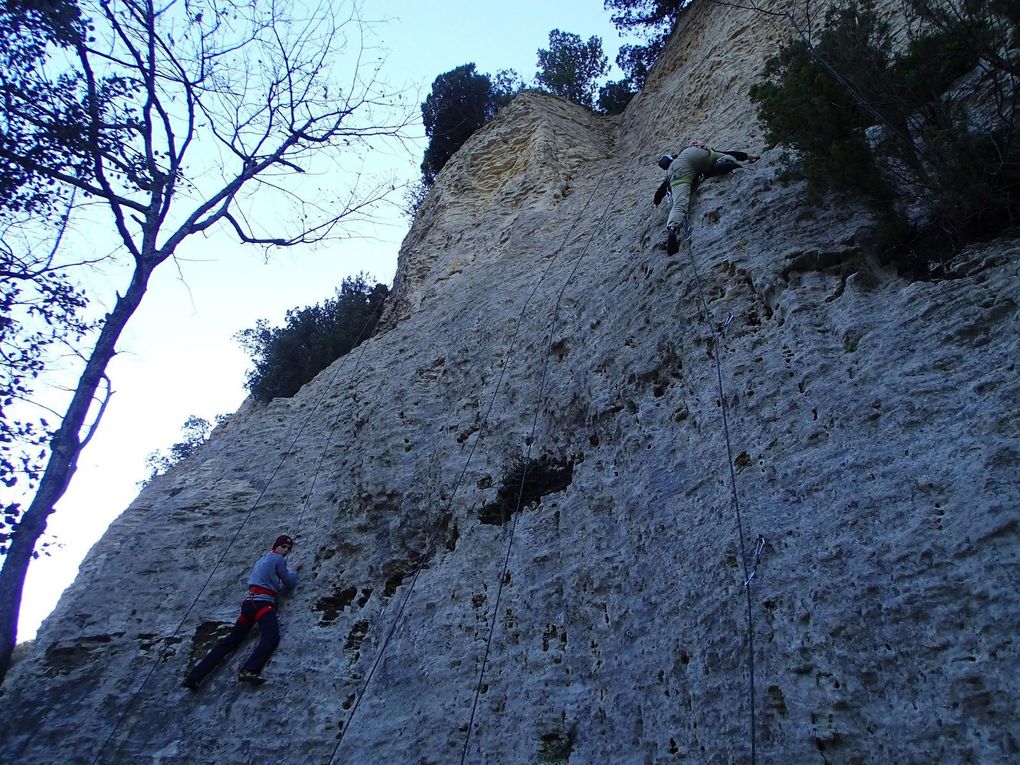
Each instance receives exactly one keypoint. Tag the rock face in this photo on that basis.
(874, 441)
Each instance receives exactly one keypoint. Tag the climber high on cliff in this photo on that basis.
(269, 575)
(682, 172)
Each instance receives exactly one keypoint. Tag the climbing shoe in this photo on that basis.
(672, 241)
(190, 683)
(247, 676)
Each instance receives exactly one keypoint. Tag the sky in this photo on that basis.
(178, 358)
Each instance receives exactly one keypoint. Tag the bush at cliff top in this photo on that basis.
(194, 433)
(461, 101)
(900, 128)
(287, 357)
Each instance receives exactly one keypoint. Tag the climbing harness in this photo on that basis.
(735, 500)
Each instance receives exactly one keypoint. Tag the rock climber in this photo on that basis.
(269, 576)
(682, 172)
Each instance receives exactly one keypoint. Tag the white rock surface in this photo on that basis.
(875, 430)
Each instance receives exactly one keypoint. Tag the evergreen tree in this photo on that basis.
(461, 101)
(287, 357)
(896, 124)
(653, 20)
(614, 96)
(571, 67)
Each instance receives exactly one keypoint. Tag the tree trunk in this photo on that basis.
(65, 448)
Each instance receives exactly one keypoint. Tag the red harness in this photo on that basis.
(256, 590)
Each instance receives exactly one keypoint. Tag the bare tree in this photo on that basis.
(40, 309)
(179, 116)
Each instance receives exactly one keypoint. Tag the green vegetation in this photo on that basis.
(926, 135)
(287, 357)
(525, 482)
(41, 309)
(461, 101)
(194, 432)
(570, 67)
(654, 20)
(614, 97)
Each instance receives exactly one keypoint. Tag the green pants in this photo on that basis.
(691, 163)
(684, 170)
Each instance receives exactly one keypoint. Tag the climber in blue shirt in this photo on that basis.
(683, 171)
(269, 576)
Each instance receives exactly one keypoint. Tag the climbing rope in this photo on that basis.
(524, 472)
(329, 441)
(247, 516)
(735, 500)
(457, 483)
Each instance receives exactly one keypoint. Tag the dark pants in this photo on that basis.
(722, 166)
(261, 612)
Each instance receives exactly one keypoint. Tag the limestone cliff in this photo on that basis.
(875, 433)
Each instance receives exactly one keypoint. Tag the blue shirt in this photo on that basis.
(271, 572)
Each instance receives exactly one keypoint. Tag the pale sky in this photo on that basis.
(178, 358)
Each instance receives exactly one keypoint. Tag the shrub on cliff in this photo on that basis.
(287, 357)
(194, 432)
(901, 129)
(461, 101)
(614, 97)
